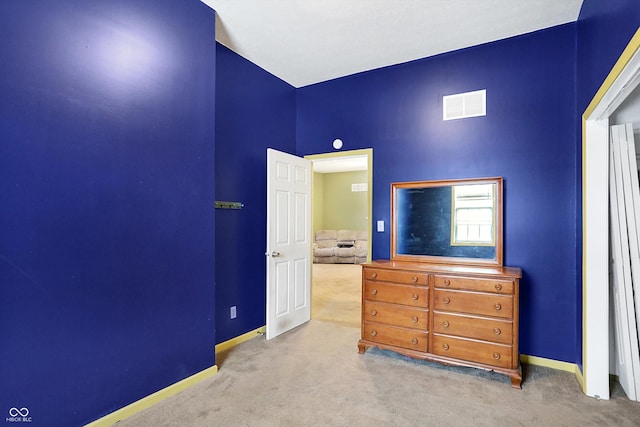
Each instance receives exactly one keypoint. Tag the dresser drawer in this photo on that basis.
(474, 303)
(417, 296)
(475, 351)
(395, 276)
(393, 314)
(473, 284)
(393, 335)
(499, 331)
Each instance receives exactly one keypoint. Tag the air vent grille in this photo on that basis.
(359, 187)
(463, 105)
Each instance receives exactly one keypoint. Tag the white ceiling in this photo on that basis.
(341, 164)
(309, 41)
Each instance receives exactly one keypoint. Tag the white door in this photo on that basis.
(288, 242)
(627, 361)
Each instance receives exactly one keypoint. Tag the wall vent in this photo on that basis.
(359, 187)
(463, 105)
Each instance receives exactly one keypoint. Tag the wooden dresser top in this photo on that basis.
(454, 269)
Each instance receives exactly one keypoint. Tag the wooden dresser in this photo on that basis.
(453, 314)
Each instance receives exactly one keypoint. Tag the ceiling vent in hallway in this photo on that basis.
(463, 105)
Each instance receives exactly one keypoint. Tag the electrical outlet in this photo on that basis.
(232, 312)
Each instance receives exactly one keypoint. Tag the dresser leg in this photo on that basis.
(361, 348)
(516, 382)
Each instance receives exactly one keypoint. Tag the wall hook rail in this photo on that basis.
(228, 205)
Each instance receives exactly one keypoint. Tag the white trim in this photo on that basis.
(626, 82)
(596, 259)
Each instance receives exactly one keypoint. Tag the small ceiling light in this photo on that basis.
(337, 143)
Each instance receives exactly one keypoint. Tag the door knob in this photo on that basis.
(273, 254)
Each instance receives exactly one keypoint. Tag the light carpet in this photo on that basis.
(314, 376)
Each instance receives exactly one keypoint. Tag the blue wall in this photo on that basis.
(528, 137)
(254, 111)
(106, 203)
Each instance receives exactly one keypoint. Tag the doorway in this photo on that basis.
(335, 288)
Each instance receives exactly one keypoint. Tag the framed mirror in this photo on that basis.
(453, 222)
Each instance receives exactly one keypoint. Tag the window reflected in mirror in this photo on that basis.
(473, 215)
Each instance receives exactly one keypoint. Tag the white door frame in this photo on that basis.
(620, 82)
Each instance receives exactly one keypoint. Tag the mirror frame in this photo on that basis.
(497, 261)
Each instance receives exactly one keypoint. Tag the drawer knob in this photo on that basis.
(414, 319)
(414, 341)
(446, 300)
(374, 333)
(374, 291)
(445, 347)
(496, 356)
(498, 287)
(374, 312)
(497, 331)
(445, 324)
(414, 279)
(414, 297)
(374, 275)
(447, 282)
(498, 307)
